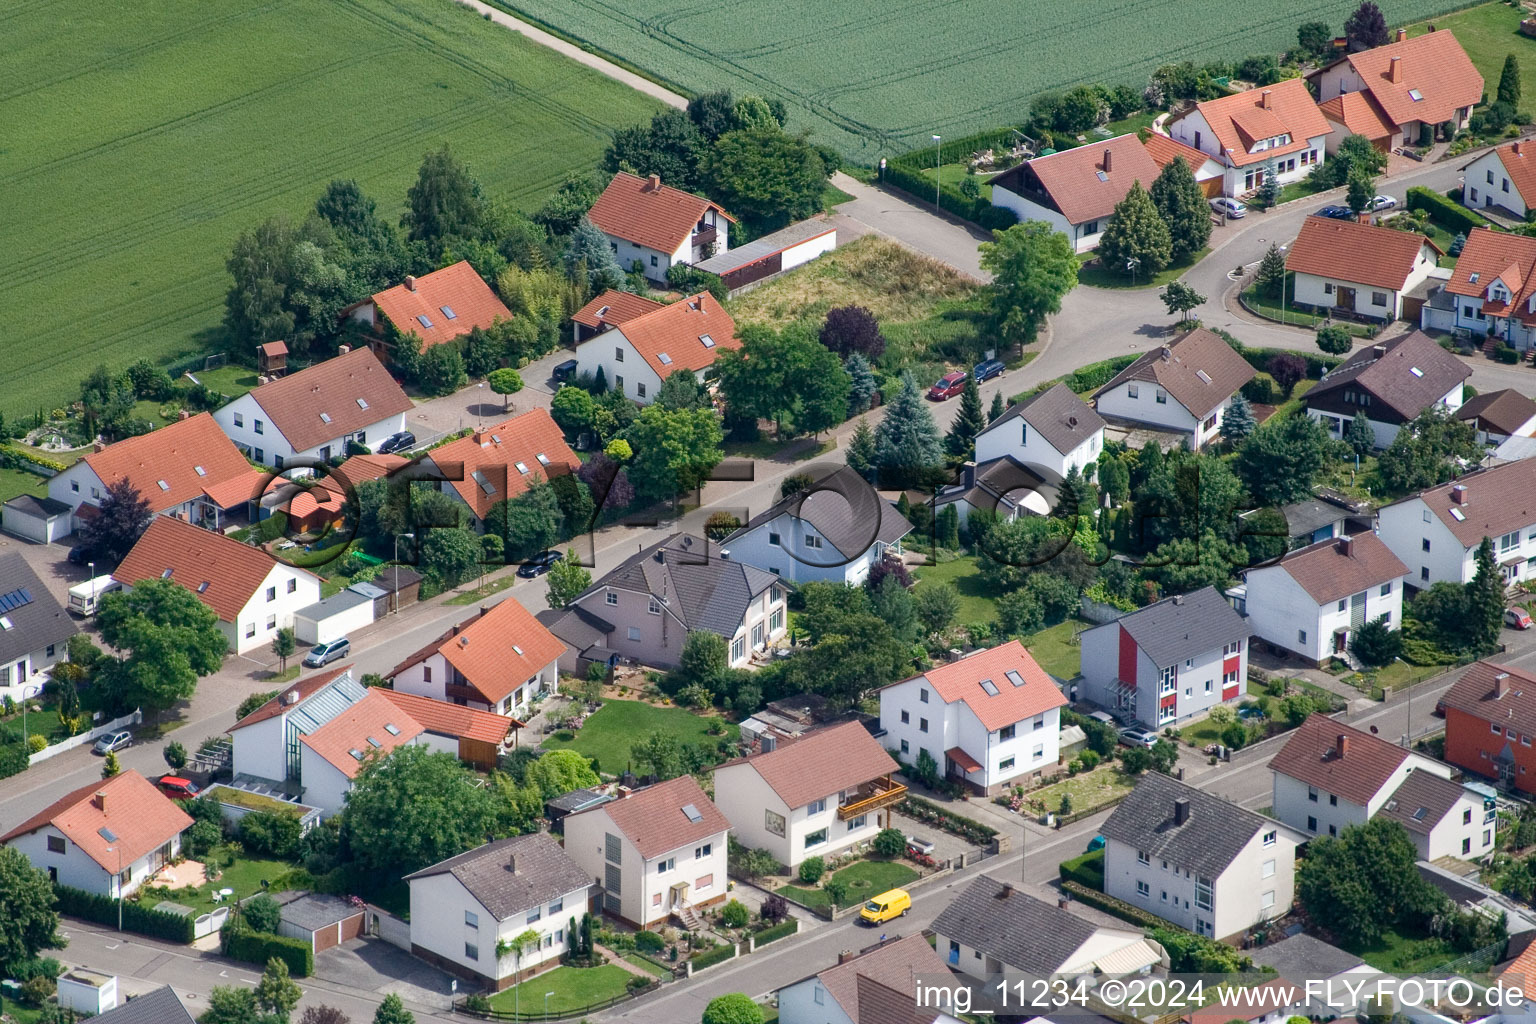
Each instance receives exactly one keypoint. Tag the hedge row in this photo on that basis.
(259, 947)
(14, 759)
(998, 138)
(1110, 905)
(709, 958)
(979, 211)
(1450, 214)
(932, 814)
(1087, 870)
(777, 932)
(1317, 365)
(157, 924)
(37, 460)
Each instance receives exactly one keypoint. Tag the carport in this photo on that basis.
(322, 921)
(40, 520)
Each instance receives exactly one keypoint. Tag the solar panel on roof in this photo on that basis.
(425, 322)
(17, 598)
(990, 687)
(692, 813)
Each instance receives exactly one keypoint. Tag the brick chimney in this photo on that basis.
(512, 863)
(410, 282)
(846, 955)
(342, 350)
(968, 475)
(1459, 494)
(1108, 161)
(1516, 148)
(1267, 100)
(101, 800)
(1343, 745)
(1378, 351)
(653, 183)
(1063, 900)
(1395, 70)
(1500, 688)
(1346, 546)
(1008, 890)
(1402, 35)
(1180, 811)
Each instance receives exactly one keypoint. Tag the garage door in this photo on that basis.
(27, 527)
(41, 521)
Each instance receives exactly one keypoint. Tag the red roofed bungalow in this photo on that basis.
(1416, 86)
(441, 306)
(656, 225)
(636, 357)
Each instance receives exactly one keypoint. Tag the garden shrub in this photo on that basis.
(273, 833)
(157, 924)
(1087, 869)
(262, 913)
(1448, 214)
(651, 942)
(734, 914)
(889, 842)
(257, 948)
(811, 870)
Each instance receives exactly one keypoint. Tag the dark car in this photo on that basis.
(538, 565)
(79, 555)
(565, 371)
(948, 386)
(397, 443)
(1336, 212)
(989, 369)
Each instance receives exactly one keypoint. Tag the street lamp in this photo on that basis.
(397, 567)
(1284, 282)
(938, 172)
(546, 1004)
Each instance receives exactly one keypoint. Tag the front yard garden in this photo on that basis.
(1087, 791)
(611, 731)
(862, 880)
(244, 874)
(568, 989)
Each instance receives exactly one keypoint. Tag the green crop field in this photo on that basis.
(877, 78)
(141, 136)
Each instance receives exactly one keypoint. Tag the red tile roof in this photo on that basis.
(457, 288)
(274, 348)
(374, 725)
(1240, 120)
(1164, 150)
(1476, 693)
(173, 456)
(1498, 501)
(656, 216)
(1360, 114)
(232, 571)
(360, 469)
(1311, 755)
(1434, 65)
(1327, 574)
(1519, 160)
(677, 332)
(496, 652)
(452, 719)
(1520, 973)
(1085, 183)
(1265, 998)
(331, 399)
(894, 966)
(231, 492)
(301, 690)
(653, 818)
(1344, 250)
(821, 763)
(962, 680)
(613, 309)
(127, 805)
(497, 451)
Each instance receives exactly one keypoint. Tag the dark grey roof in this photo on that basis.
(1205, 844)
(688, 575)
(1181, 627)
(1387, 370)
(1304, 518)
(158, 1007)
(316, 910)
(577, 800)
(1302, 956)
(337, 602)
(36, 619)
(31, 504)
(1421, 801)
(778, 241)
(995, 485)
(1057, 415)
(543, 872)
(1026, 934)
(580, 629)
(843, 508)
(387, 581)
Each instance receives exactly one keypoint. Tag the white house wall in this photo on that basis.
(276, 450)
(440, 903)
(325, 786)
(1487, 184)
(333, 626)
(258, 750)
(744, 798)
(1403, 529)
(1025, 443)
(1259, 874)
(1279, 610)
(261, 618)
(1029, 210)
(792, 559)
(1462, 824)
(1145, 408)
(78, 871)
(809, 1002)
(632, 372)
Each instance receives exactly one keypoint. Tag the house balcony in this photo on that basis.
(872, 796)
(458, 693)
(703, 237)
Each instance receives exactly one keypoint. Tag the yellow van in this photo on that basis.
(888, 905)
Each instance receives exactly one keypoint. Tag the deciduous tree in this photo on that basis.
(1335, 339)
(675, 450)
(505, 382)
(1313, 39)
(1278, 462)
(28, 922)
(669, 147)
(1287, 370)
(1366, 28)
(284, 645)
(734, 1008)
(1376, 643)
(1179, 297)
(852, 329)
(171, 638)
(1032, 267)
(1365, 881)
(123, 517)
(567, 578)
(767, 178)
(415, 807)
(445, 202)
(393, 1011)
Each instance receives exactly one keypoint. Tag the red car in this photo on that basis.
(949, 385)
(177, 787)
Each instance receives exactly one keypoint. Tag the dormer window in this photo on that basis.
(1496, 293)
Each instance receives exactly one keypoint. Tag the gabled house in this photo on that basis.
(638, 355)
(834, 532)
(34, 628)
(1389, 383)
(1052, 430)
(464, 910)
(500, 661)
(1075, 190)
(878, 985)
(1313, 600)
(1268, 1001)
(317, 413)
(816, 796)
(1499, 415)
(187, 469)
(474, 737)
(1276, 129)
(1437, 531)
(658, 596)
(1411, 87)
(610, 309)
(107, 838)
(656, 225)
(1005, 487)
(1358, 269)
(160, 1006)
(1197, 860)
(1206, 168)
(253, 594)
(992, 927)
(1490, 720)
(499, 462)
(1492, 290)
(1503, 177)
(1168, 661)
(988, 720)
(439, 307)
(266, 743)
(655, 852)
(1184, 386)
(584, 636)
(1305, 956)
(1443, 818)
(315, 509)
(332, 756)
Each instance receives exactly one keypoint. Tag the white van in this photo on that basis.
(84, 598)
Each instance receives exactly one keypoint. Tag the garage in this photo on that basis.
(40, 520)
(333, 618)
(322, 921)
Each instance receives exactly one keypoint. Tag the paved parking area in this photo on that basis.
(945, 846)
(50, 562)
(372, 965)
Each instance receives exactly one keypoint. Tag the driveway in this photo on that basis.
(373, 965)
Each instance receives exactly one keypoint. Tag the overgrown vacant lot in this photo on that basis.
(877, 78)
(141, 136)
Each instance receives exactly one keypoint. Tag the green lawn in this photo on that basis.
(145, 138)
(954, 173)
(1100, 276)
(977, 603)
(1287, 312)
(16, 482)
(654, 969)
(865, 879)
(244, 876)
(1053, 648)
(1088, 790)
(1396, 953)
(569, 990)
(609, 733)
(1489, 34)
(230, 380)
(495, 586)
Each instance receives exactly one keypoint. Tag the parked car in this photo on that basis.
(1517, 618)
(400, 442)
(564, 372)
(1131, 736)
(916, 844)
(989, 369)
(113, 741)
(887, 906)
(1336, 213)
(79, 555)
(178, 788)
(1380, 203)
(539, 564)
(323, 654)
(1230, 207)
(1096, 843)
(948, 386)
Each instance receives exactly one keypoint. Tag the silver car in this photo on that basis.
(112, 741)
(1230, 207)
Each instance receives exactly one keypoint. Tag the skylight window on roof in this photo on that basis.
(424, 321)
(496, 439)
(1102, 175)
(1475, 275)
(107, 834)
(199, 470)
(990, 687)
(707, 341)
(1458, 515)
(485, 485)
(602, 312)
(325, 417)
(362, 403)
(666, 360)
(543, 459)
(374, 743)
(6, 623)
(1014, 677)
(518, 649)
(202, 586)
(1416, 371)
(692, 813)
(392, 728)
(1415, 95)
(448, 312)
(1205, 377)
(357, 754)
(1419, 814)
(167, 574)
(522, 467)
(163, 485)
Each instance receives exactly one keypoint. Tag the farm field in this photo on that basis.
(144, 136)
(875, 79)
